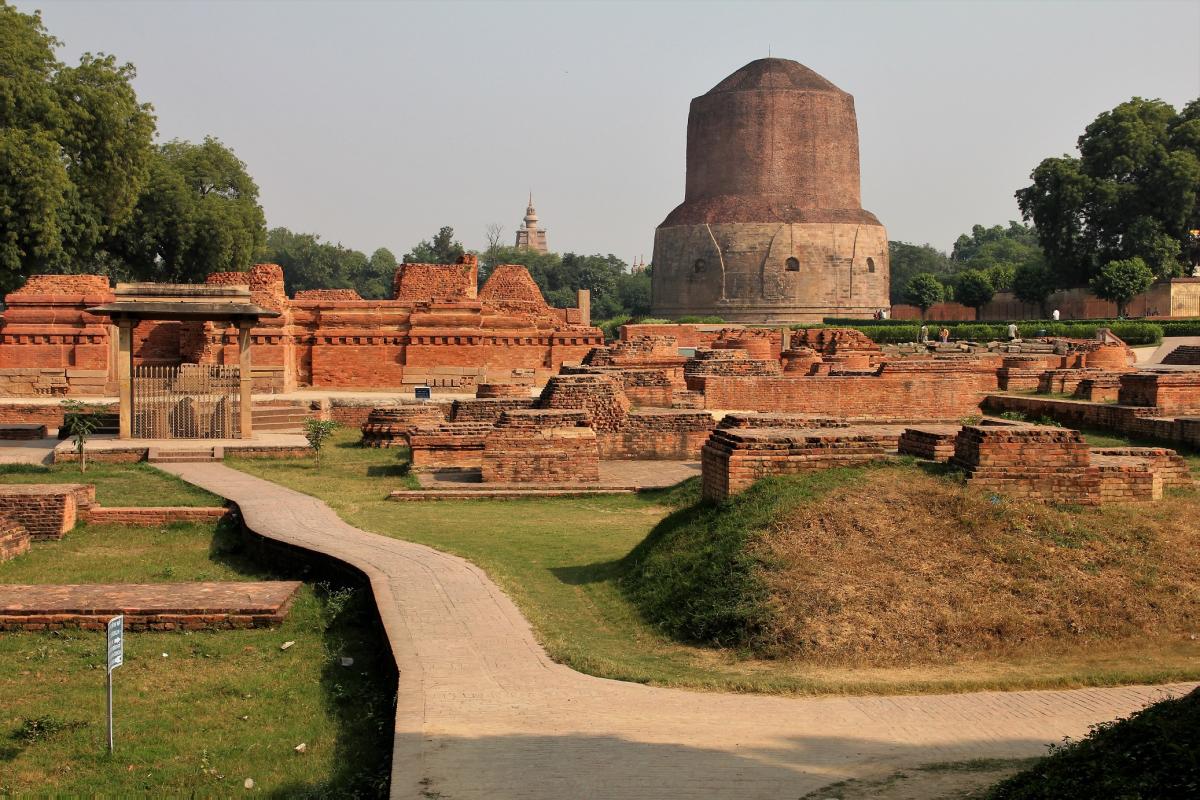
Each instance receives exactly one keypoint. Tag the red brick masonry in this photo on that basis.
(158, 515)
(154, 606)
(46, 510)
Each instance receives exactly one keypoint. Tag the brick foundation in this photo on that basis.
(935, 443)
(449, 446)
(1169, 392)
(486, 409)
(14, 539)
(1038, 462)
(390, 426)
(734, 458)
(524, 455)
(159, 515)
(46, 510)
(658, 434)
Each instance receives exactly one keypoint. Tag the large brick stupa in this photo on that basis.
(772, 227)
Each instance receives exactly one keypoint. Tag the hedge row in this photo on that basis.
(1133, 333)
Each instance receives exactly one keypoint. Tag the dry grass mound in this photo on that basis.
(893, 565)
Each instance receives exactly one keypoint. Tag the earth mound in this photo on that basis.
(893, 565)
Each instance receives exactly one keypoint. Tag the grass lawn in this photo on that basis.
(197, 713)
(116, 484)
(559, 560)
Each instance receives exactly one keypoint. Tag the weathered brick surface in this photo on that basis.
(767, 419)
(1103, 387)
(158, 515)
(1171, 466)
(933, 442)
(328, 295)
(1036, 461)
(423, 282)
(916, 390)
(14, 539)
(448, 446)
(1169, 392)
(541, 455)
(601, 396)
(153, 607)
(544, 418)
(658, 433)
(46, 510)
(390, 426)
(725, 362)
(734, 458)
(487, 409)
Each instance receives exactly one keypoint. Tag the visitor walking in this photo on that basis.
(1012, 331)
(944, 335)
(923, 335)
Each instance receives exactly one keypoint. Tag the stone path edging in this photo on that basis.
(484, 713)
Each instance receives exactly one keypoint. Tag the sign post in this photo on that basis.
(116, 657)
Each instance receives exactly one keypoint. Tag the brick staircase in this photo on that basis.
(279, 418)
(189, 455)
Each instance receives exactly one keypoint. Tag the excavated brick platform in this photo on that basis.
(486, 409)
(390, 426)
(156, 515)
(449, 446)
(658, 433)
(46, 510)
(151, 606)
(561, 455)
(933, 442)
(734, 458)
(1037, 461)
(14, 539)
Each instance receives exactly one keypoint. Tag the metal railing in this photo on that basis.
(190, 401)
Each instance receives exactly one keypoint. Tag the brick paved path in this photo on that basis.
(484, 713)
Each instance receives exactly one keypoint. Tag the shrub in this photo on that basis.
(1154, 752)
(697, 320)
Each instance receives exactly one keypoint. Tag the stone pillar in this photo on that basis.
(125, 377)
(246, 379)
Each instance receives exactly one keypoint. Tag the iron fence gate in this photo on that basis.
(190, 401)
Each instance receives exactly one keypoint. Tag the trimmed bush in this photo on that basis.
(1153, 753)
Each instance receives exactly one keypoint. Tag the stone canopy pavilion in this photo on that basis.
(176, 392)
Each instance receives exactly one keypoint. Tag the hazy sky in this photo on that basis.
(374, 124)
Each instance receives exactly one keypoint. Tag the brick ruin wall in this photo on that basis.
(658, 434)
(14, 539)
(487, 409)
(524, 455)
(917, 390)
(46, 510)
(734, 458)
(436, 332)
(449, 446)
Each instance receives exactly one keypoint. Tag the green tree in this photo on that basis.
(908, 260)
(75, 144)
(1122, 280)
(441, 249)
(924, 290)
(199, 214)
(1133, 191)
(376, 281)
(1033, 283)
(974, 288)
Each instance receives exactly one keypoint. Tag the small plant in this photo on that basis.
(317, 432)
(972, 419)
(42, 728)
(1015, 416)
(81, 421)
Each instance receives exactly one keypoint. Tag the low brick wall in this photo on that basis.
(147, 607)
(46, 510)
(526, 455)
(658, 434)
(1169, 392)
(1038, 462)
(158, 515)
(732, 459)
(14, 539)
(932, 443)
(449, 446)
(1104, 387)
(48, 414)
(486, 409)
(389, 427)
(498, 390)
(913, 390)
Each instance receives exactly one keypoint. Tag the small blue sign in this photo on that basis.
(424, 393)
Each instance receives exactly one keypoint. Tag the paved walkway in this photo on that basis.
(484, 713)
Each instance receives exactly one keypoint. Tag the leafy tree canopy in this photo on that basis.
(907, 260)
(974, 288)
(924, 290)
(75, 146)
(1122, 280)
(441, 249)
(1133, 191)
(309, 263)
(198, 214)
(1033, 283)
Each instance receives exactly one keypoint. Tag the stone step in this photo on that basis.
(157, 455)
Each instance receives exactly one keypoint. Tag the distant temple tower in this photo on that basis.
(530, 235)
(771, 228)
